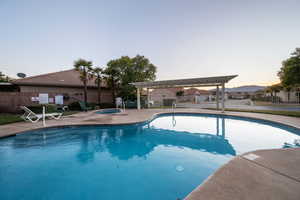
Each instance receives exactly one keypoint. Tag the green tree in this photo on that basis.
(113, 75)
(98, 72)
(84, 68)
(4, 78)
(127, 70)
(289, 73)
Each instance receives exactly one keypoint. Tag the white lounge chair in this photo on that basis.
(32, 117)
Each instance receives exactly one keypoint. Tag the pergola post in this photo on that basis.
(223, 127)
(148, 98)
(223, 97)
(138, 96)
(217, 97)
(218, 126)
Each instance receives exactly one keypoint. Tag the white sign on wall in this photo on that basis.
(34, 98)
(43, 98)
(59, 99)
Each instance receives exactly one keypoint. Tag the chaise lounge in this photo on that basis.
(32, 117)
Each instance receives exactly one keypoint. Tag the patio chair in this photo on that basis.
(32, 117)
(84, 107)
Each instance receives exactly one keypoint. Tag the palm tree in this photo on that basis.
(98, 79)
(84, 68)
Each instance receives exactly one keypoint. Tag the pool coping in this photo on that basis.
(159, 112)
(269, 177)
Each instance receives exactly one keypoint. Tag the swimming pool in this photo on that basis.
(109, 111)
(165, 158)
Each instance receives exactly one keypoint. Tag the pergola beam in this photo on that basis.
(174, 86)
(193, 82)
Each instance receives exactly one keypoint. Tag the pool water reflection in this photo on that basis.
(163, 159)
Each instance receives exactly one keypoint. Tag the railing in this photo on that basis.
(123, 103)
(173, 107)
(173, 117)
(173, 121)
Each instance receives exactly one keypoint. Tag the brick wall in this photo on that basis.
(11, 101)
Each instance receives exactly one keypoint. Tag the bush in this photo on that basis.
(133, 104)
(107, 105)
(74, 106)
(50, 108)
(93, 105)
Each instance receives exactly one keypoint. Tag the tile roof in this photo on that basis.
(195, 91)
(63, 78)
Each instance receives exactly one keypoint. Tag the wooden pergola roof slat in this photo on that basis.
(192, 82)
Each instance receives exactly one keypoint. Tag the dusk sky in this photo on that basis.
(183, 38)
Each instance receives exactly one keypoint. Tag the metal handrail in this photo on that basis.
(123, 106)
(173, 106)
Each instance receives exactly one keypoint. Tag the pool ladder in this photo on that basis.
(173, 107)
(123, 104)
(173, 117)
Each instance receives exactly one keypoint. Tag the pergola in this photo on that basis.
(216, 81)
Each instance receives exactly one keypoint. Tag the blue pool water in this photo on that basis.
(109, 111)
(163, 159)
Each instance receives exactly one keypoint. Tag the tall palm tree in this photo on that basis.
(98, 72)
(84, 67)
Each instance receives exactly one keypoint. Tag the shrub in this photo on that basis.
(74, 106)
(50, 108)
(107, 105)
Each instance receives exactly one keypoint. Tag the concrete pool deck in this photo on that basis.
(263, 174)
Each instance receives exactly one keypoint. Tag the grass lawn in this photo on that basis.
(9, 118)
(6, 118)
(263, 103)
(272, 112)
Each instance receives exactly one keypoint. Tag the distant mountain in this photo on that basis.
(246, 88)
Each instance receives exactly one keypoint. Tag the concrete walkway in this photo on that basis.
(264, 174)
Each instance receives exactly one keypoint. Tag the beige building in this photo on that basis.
(157, 96)
(67, 83)
(192, 95)
(292, 97)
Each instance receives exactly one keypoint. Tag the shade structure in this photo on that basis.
(191, 82)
